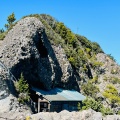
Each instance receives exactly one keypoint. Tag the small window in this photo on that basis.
(45, 104)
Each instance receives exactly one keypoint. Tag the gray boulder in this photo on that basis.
(83, 115)
(26, 49)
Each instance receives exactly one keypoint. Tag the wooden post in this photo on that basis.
(49, 107)
(38, 105)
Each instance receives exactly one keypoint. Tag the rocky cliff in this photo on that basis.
(49, 55)
(26, 49)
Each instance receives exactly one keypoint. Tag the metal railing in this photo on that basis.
(3, 66)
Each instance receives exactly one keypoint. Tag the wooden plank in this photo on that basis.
(38, 105)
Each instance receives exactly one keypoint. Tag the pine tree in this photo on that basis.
(11, 18)
(22, 88)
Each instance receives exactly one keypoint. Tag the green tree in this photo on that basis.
(2, 30)
(22, 88)
(6, 26)
(11, 18)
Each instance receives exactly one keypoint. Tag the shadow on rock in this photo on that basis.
(42, 68)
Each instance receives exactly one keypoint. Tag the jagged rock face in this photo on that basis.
(26, 49)
(4, 87)
(110, 70)
(4, 90)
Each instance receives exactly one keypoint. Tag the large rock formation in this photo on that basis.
(41, 54)
(26, 49)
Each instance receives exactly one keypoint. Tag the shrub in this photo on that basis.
(84, 68)
(79, 106)
(90, 90)
(96, 48)
(112, 95)
(118, 112)
(106, 111)
(72, 61)
(96, 105)
(91, 103)
(96, 64)
(114, 71)
(111, 57)
(94, 80)
(2, 35)
(84, 41)
(115, 80)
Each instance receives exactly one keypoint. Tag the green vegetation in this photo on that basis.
(106, 111)
(111, 57)
(90, 89)
(11, 18)
(91, 103)
(22, 88)
(67, 40)
(96, 105)
(114, 71)
(112, 95)
(2, 30)
(79, 50)
(66, 34)
(94, 80)
(74, 53)
(113, 80)
(79, 106)
(96, 64)
(96, 48)
(93, 46)
(2, 35)
(73, 44)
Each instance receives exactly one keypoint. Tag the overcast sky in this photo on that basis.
(98, 20)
